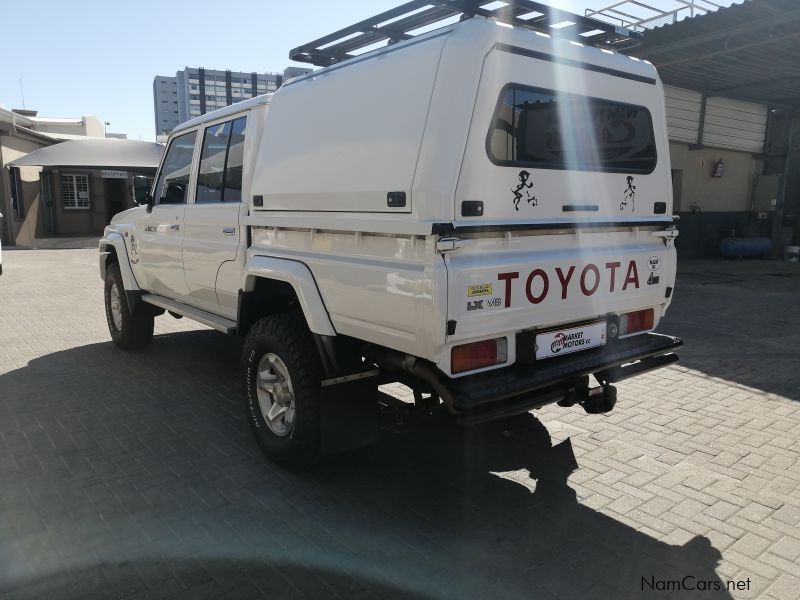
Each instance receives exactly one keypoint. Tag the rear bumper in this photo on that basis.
(519, 388)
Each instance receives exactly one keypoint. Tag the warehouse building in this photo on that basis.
(732, 90)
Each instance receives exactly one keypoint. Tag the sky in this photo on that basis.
(95, 57)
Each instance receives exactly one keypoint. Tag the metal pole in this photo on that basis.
(777, 227)
(5, 220)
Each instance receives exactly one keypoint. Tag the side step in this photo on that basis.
(195, 314)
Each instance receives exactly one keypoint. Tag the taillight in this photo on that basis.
(468, 357)
(633, 322)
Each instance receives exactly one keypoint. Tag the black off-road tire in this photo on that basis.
(135, 331)
(287, 336)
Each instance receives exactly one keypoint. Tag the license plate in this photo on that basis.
(574, 339)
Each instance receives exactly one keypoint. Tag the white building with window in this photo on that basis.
(38, 199)
(74, 187)
(17, 139)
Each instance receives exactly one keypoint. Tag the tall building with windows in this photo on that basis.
(165, 103)
(195, 91)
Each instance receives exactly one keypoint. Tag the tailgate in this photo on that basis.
(564, 145)
(502, 285)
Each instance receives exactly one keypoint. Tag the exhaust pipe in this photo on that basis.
(417, 369)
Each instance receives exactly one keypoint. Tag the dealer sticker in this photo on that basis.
(482, 289)
(566, 341)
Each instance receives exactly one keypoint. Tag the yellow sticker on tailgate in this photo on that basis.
(482, 289)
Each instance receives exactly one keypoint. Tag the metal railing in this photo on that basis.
(639, 15)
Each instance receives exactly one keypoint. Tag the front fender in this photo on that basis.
(299, 276)
(115, 240)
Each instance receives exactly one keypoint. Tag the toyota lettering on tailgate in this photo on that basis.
(540, 283)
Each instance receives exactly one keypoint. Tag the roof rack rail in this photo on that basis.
(396, 25)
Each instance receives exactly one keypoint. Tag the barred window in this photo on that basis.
(75, 191)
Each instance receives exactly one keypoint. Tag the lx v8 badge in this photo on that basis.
(475, 305)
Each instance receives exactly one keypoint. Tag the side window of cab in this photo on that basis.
(219, 177)
(173, 179)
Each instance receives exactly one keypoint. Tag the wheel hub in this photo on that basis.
(275, 394)
(116, 307)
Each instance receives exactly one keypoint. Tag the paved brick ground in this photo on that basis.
(134, 475)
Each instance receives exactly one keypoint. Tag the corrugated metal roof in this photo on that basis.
(748, 51)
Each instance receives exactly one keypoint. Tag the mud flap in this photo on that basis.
(349, 412)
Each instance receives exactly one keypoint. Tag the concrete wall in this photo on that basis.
(693, 183)
(701, 233)
(18, 230)
(80, 221)
(92, 220)
(88, 125)
(31, 226)
(783, 122)
(723, 204)
(710, 207)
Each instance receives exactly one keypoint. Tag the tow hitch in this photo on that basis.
(600, 399)
(522, 387)
(595, 400)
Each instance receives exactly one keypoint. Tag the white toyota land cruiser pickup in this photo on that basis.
(481, 211)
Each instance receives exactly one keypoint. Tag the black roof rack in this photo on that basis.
(396, 24)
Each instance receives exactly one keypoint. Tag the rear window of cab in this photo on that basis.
(545, 129)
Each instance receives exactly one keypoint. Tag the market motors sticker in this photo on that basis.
(482, 289)
(566, 341)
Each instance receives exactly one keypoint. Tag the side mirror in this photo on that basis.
(141, 188)
(149, 201)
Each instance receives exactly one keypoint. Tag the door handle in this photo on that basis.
(175, 227)
(229, 230)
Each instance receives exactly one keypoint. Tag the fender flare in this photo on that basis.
(299, 276)
(115, 240)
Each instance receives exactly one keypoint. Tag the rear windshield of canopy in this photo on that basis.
(544, 129)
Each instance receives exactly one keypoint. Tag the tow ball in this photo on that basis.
(600, 399)
(593, 400)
